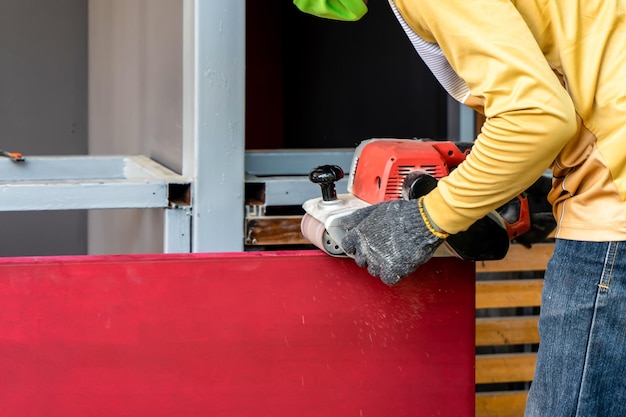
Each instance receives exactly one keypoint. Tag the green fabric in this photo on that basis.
(348, 10)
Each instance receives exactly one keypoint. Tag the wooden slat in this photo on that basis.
(505, 367)
(501, 331)
(501, 404)
(274, 230)
(520, 258)
(508, 293)
(506, 330)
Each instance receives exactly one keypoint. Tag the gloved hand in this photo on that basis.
(392, 238)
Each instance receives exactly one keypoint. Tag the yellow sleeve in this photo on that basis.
(529, 115)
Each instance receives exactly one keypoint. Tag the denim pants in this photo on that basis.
(581, 363)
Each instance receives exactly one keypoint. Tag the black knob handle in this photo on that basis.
(326, 176)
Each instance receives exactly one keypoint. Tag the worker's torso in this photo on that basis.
(584, 42)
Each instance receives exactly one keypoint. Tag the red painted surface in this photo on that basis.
(255, 334)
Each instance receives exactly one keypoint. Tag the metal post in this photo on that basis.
(213, 121)
(461, 121)
(177, 234)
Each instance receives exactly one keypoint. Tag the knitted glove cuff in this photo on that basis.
(432, 228)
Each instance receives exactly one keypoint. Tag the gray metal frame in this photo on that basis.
(214, 121)
(98, 182)
(461, 122)
(214, 153)
(215, 163)
(284, 173)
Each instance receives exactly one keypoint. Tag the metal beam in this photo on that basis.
(295, 161)
(213, 121)
(85, 182)
(42, 183)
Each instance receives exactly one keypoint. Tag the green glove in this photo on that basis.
(392, 238)
(348, 10)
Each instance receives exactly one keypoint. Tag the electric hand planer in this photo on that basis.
(387, 169)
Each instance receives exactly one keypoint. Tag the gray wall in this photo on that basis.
(43, 110)
(135, 105)
(101, 77)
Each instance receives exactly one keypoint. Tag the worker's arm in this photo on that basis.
(529, 115)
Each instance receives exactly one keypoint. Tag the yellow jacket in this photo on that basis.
(550, 77)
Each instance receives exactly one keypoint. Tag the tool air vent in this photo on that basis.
(393, 190)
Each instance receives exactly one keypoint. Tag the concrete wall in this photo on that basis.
(43, 110)
(135, 105)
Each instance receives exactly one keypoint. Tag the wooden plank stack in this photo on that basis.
(508, 297)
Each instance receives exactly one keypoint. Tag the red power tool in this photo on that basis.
(388, 169)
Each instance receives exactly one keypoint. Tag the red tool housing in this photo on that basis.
(380, 166)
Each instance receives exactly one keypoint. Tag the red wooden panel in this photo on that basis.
(252, 334)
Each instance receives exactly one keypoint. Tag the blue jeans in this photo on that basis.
(581, 364)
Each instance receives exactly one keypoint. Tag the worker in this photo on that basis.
(550, 78)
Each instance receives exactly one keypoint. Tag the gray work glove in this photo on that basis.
(390, 238)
